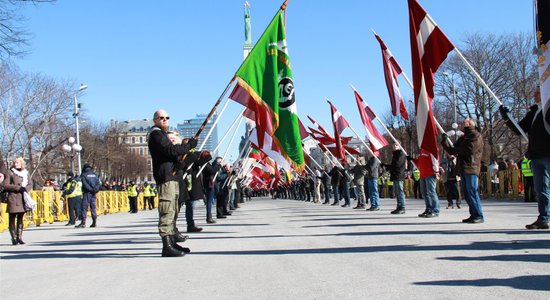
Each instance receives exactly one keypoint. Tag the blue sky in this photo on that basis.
(138, 56)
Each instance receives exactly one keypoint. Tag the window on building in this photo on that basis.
(141, 139)
(133, 140)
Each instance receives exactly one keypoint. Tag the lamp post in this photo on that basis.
(75, 115)
(72, 148)
(453, 90)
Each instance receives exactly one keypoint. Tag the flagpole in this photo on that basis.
(239, 118)
(212, 111)
(316, 162)
(229, 146)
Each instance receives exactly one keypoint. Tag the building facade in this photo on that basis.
(188, 129)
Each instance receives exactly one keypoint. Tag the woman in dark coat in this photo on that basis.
(16, 182)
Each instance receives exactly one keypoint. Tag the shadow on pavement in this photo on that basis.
(533, 282)
(538, 258)
(492, 245)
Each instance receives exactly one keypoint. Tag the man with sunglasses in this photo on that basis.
(165, 155)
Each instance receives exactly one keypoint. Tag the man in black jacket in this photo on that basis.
(537, 126)
(397, 175)
(90, 187)
(165, 155)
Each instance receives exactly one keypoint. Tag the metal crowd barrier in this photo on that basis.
(51, 207)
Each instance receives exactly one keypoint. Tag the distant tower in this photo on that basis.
(246, 49)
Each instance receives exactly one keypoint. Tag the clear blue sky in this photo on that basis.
(138, 56)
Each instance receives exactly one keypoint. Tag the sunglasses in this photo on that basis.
(164, 118)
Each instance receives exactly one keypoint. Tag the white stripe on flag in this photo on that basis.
(426, 28)
(422, 109)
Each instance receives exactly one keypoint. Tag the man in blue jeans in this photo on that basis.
(468, 150)
(371, 179)
(397, 175)
(537, 126)
(428, 166)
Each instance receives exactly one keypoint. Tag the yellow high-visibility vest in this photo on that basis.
(132, 191)
(77, 190)
(526, 168)
(147, 191)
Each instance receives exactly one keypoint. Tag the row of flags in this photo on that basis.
(265, 87)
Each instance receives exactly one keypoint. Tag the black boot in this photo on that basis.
(20, 234)
(168, 249)
(178, 247)
(94, 222)
(82, 224)
(13, 234)
(178, 237)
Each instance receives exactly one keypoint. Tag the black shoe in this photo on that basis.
(538, 225)
(180, 238)
(81, 225)
(423, 215)
(221, 217)
(431, 215)
(467, 220)
(326, 202)
(194, 229)
(178, 247)
(346, 205)
(69, 224)
(458, 206)
(475, 220)
(94, 224)
(168, 249)
(335, 203)
(210, 221)
(373, 209)
(359, 207)
(398, 211)
(227, 213)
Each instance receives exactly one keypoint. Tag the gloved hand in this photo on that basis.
(191, 158)
(192, 143)
(504, 112)
(22, 189)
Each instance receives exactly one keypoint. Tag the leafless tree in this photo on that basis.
(507, 65)
(14, 38)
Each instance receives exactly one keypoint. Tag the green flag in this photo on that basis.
(265, 85)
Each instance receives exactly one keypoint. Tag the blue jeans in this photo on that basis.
(189, 207)
(541, 172)
(209, 201)
(327, 193)
(346, 193)
(427, 188)
(373, 192)
(469, 186)
(399, 193)
(336, 194)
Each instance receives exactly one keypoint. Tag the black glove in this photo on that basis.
(192, 143)
(504, 112)
(22, 189)
(191, 157)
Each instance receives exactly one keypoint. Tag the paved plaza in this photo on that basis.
(287, 249)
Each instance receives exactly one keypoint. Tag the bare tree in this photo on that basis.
(34, 122)
(507, 65)
(13, 36)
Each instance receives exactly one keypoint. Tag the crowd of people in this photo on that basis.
(185, 176)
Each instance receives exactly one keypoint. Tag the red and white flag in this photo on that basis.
(376, 139)
(429, 48)
(392, 69)
(340, 123)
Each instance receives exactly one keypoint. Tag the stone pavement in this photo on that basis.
(286, 249)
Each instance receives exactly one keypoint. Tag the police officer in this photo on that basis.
(132, 190)
(147, 196)
(529, 192)
(73, 193)
(90, 187)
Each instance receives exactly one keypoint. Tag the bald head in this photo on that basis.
(160, 118)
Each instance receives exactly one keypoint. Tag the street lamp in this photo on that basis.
(73, 148)
(455, 124)
(75, 115)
